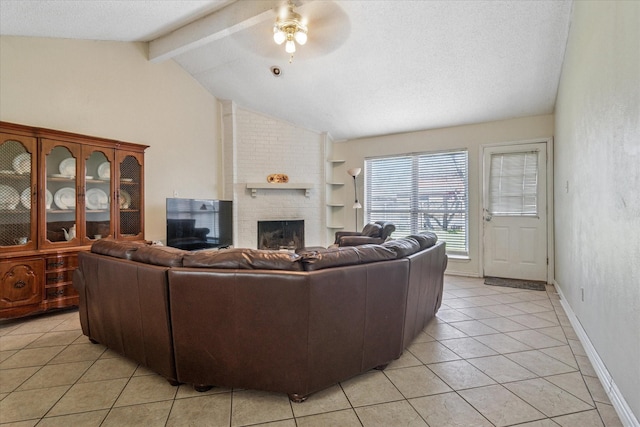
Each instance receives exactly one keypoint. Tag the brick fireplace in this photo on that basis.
(255, 146)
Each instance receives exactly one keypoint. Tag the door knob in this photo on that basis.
(487, 217)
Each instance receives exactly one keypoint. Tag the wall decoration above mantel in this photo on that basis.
(278, 178)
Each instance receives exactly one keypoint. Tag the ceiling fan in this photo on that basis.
(323, 27)
(248, 26)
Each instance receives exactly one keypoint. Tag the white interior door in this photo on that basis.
(515, 211)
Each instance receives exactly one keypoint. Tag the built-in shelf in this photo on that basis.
(255, 186)
(335, 227)
(336, 161)
(335, 183)
(335, 205)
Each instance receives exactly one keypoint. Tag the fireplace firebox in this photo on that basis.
(281, 234)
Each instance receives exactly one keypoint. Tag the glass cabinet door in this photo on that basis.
(17, 193)
(61, 184)
(130, 203)
(98, 220)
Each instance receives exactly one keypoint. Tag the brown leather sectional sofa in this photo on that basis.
(259, 319)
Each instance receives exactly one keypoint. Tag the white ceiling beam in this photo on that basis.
(233, 18)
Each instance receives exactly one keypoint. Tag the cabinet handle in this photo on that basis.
(19, 284)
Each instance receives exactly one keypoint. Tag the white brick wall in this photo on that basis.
(263, 145)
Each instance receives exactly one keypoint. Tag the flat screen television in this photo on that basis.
(194, 224)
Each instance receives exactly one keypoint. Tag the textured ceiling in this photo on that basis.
(119, 20)
(368, 68)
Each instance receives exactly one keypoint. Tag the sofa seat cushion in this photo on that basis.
(403, 247)
(245, 259)
(165, 256)
(346, 255)
(122, 250)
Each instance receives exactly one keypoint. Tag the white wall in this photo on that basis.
(597, 177)
(470, 137)
(111, 90)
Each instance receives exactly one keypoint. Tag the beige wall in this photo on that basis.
(111, 90)
(597, 177)
(470, 137)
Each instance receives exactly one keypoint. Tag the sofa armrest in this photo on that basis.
(340, 234)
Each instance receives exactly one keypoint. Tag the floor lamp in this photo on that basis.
(354, 172)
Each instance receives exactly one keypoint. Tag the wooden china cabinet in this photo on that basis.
(59, 193)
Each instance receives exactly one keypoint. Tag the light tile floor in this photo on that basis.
(493, 356)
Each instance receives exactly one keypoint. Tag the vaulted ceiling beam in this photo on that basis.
(233, 18)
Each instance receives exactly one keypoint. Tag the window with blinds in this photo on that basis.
(513, 184)
(421, 192)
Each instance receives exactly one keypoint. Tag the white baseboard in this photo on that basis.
(460, 273)
(625, 414)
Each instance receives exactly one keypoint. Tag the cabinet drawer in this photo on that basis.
(58, 277)
(60, 292)
(61, 262)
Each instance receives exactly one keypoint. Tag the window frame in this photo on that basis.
(416, 215)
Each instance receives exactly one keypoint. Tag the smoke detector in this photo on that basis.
(276, 71)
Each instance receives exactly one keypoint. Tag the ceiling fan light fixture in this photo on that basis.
(289, 27)
(279, 36)
(290, 47)
(301, 37)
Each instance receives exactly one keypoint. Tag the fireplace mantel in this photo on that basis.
(255, 186)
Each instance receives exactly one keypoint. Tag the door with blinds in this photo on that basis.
(515, 211)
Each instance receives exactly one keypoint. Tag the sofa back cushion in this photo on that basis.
(426, 239)
(372, 230)
(159, 255)
(387, 228)
(403, 247)
(122, 250)
(345, 255)
(244, 259)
